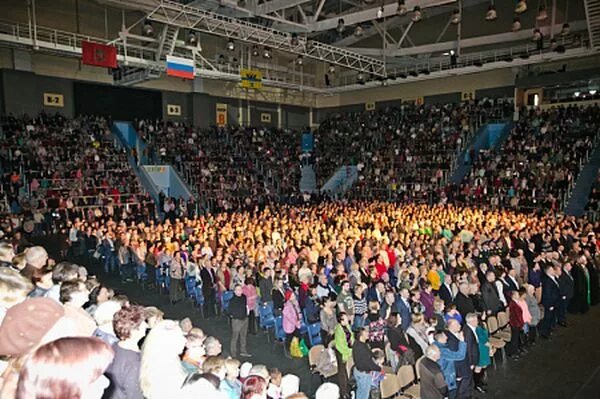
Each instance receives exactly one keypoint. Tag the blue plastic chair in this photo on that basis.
(314, 334)
(266, 318)
(279, 333)
(190, 285)
(160, 279)
(225, 299)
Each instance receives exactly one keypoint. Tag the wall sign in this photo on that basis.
(265, 117)
(468, 95)
(370, 106)
(54, 100)
(221, 116)
(173, 110)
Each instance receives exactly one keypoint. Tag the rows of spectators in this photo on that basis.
(53, 167)
(538, 164)
(398, 278)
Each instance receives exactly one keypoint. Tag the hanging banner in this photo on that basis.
(221, 117)
(251, 79)
(98, 54)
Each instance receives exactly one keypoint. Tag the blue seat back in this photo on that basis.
(225, 299)
(314, 333)
(265, 314)
(279, 333)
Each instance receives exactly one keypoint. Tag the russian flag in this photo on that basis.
(180, 67)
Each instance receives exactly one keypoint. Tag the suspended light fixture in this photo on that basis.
(491, 13)
(147, 29)
(331, 68)
(593, 92)
(340, 26)
(577, 94)
(230, 45)
(537, 35)
(455, 16)
(294, 39)
(542, 14)
(417, 15)
(255, 52)
(267, 53)
(402, 9)
(358, 31)
(379, 14)
(360, 77)
(192, 39)
(299, 60)
(521, 6)
(516, 25)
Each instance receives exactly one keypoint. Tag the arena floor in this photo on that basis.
(567, 367)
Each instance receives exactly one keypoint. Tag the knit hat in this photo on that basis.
(288, 295)
(26, 324)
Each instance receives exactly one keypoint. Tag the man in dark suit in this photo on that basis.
(209, 278)
(464, 374)
(445, 291)
(472, 356)
(403, 307)
(550, 300)
(567, 286)
(489, 294)
(464, 303)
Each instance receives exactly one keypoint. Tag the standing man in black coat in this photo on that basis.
(567, 286)
(464, 374)
(550, 301)
(489, 294)
(464, 303)
(239, 322)
(472, 355)
(209, 283)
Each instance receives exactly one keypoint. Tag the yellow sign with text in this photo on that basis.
(173, 110)
(251, 79)
(54, 100)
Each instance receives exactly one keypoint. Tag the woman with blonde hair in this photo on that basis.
(161, 372)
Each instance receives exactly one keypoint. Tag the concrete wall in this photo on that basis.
(412, 90)
(22, 93)
(295, 117)
(183, 100)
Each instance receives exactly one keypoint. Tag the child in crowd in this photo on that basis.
(274, 389)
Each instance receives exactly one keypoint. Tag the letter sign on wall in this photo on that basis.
(468, 95)
(173, 110)
(221, 116)
(265, 117)
(370, 106)
(54, 100)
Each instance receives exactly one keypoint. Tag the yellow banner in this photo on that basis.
(251, 79)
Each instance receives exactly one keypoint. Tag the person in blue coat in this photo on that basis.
(447, 359)
(403, 307)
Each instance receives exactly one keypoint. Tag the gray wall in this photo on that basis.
(23, 92)
(295, 117)
(203, 108)
(181, 99)
(258, 108)
(443, 98)
(495, 92)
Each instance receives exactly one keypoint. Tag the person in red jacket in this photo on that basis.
(516, 325)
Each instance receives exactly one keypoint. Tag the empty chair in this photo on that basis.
(389, 386)
(314, 334)
(406, 379)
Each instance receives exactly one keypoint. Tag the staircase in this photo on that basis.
(583, 185)
(308, 179)
(592, 12)
(341, 181)
(489, 137)
(167, 42)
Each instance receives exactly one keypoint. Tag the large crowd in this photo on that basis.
(383, 297)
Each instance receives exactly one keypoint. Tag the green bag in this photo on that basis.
(303, 348)
(295, 350)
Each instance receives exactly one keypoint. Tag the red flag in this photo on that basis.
(99, 54)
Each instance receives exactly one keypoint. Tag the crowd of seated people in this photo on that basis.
(404, 153)
(538, 164)
(210, 161)
(53, 167)
(380, 282)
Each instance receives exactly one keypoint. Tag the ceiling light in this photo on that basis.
(417, 14)
(455, 16)
(521, 6)
(566, 28)
(577, 94)
(192, 39)
(331, 68)
(593, 92)
(542, 13)
(360, 77)
(358, 31)
(379, 14)
(537, 35)
(299, 60)
(402, 9)
(294, 39)
(255, 52)
(491, 13)
(147, 29)
(230, 45)
(516, 25)
(267, 53)
(340, 26)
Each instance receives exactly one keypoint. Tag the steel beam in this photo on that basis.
(466, 43)
(276, 5)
